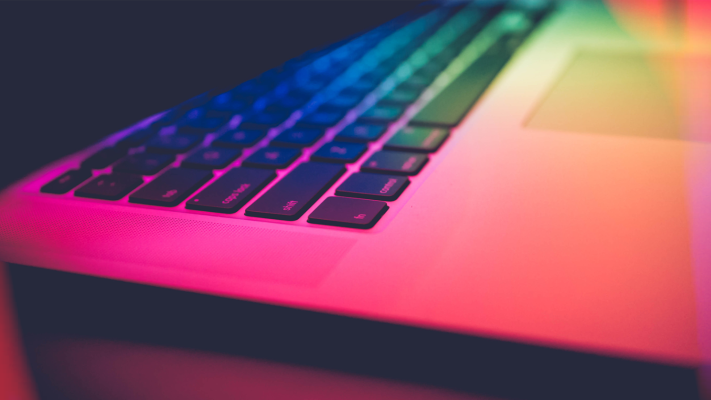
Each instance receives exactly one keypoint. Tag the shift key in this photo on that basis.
(289, 198)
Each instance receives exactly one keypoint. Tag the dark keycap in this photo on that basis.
(239, 138)
(323, 118)
(382, 113)
(197, 121)
(420, 139)
(373, 186)
(360, 133)
(67, 181)
(103, 158)
(419, 80)
(452, 104)
(344, 101)
(251, 89)
(288, 103)
(349, 213)
(144, 163)
(312, 86)
(171, 188)
(203, 126)
(363, 85)
(289, 198)
(401, 95)
(211, 158)
(172, 144)
(339, 152)
(137, 138)
(227, 102)
(395, 162)
(272, 157)
(231, 191)
(110, 186)
(297, 137)
(265, 119)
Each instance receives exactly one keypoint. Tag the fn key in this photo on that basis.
(347, 212)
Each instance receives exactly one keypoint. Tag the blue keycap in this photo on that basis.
(297, 137)
(172, 144)
(323, 118)
(339, 152)
(344, 100)
(272, 158)
(266, 119)
(211, 158)
(360, 133)
(238, 138)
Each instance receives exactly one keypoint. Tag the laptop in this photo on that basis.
(523, 186)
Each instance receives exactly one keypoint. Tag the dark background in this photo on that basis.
(72, 73)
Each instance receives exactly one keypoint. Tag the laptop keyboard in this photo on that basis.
(273, 146)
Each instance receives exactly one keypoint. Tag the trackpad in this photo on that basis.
(622, 93)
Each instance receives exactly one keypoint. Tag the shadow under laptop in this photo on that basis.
(94, 338)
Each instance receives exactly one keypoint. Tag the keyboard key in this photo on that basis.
(67, 181)
(297, 137)
(144, 163)
(289, 198)
(401, 95)
(239, 138)
(363, 85)
(227, 102)
(172, 144)
(360, 133)
(382, 113)
(348, 212)
(395, 162)
(344, 101)
(323, 118)
(420, 139)
(231, 191)
(373, 186)
(418, 81)
(196, 121)
(136, 138)
(211, 158)
(272, 157)
(169, 189)
(451, 104)
(110, 186)
(251, 89)
(103, 158)
(265, 119)
(336, 152)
